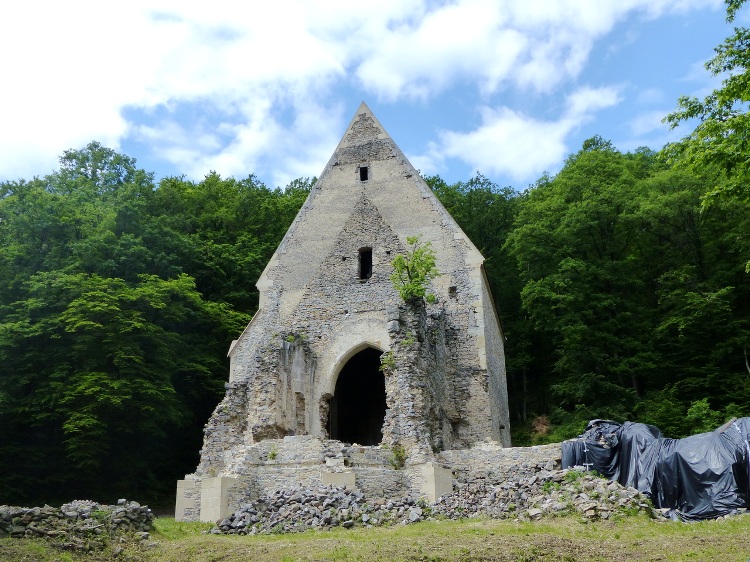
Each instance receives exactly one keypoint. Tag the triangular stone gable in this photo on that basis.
(405, 201)
(336, 289)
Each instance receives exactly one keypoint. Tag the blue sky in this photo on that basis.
(508, 88)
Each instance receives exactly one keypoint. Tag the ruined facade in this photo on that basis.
(309, 363)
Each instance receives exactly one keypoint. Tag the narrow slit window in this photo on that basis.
(364, 173)
(365, 263)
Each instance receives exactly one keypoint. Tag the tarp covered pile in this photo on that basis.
(699, 477)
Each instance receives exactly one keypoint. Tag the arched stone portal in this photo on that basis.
(357, 408)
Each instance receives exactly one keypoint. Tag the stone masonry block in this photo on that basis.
(215, 498)
(346, 478)
(436, 481)
(188, 500)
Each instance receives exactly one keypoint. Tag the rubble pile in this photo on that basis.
(528, 498)
(79, 525)
(556, 492)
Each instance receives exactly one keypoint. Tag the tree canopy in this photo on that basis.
(721, 139)
(118, 300)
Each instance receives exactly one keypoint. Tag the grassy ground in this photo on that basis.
(559, 539)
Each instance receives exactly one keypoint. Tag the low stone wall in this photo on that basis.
(494, 464)
(293, 462)
(375, 481)
(80, 525)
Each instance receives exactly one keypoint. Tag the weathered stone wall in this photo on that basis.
(79, 524)
(225, 430)
(419, 382)
(493, 341)
(260, 469)
(495, 464)
(317, 310)
(340, 313)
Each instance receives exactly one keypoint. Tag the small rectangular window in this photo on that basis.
(365, 263)
(364, 173)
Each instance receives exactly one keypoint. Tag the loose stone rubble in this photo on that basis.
(547, 493)
(78, 525)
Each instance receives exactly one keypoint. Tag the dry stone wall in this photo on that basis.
(495, 464)
(79, 525)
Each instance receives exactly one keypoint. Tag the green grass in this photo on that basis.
(169, 529)
(559, 539)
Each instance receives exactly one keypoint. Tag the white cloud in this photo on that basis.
(648, 122)
(267, 77)
(584, 101)
(536, 44)
(651, 96)
(517, 145)
(509, 143)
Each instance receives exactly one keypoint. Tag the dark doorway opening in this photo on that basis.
(357, 408)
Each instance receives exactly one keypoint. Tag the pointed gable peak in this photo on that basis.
(363, 128)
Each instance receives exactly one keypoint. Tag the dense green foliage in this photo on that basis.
(622, 293)
(117, 304)
(722, 137)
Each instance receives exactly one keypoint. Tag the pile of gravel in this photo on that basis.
(527, 498)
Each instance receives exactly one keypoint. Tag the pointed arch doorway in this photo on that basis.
(357, 408)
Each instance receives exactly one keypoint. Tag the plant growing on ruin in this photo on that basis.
(408, 340)
(387, 361)
(550, 486)
(399, 456)
(100, 515)
(413, 271)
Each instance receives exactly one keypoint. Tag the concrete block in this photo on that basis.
(436, 481)
(215, 498)
(187, 505)
(346, 478)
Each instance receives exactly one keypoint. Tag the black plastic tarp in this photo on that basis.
(634, 439)
(610, 448)
(699, 477)
(597, 449)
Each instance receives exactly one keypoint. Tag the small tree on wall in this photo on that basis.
(413, 271)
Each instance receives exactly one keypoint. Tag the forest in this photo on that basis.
(622, 284)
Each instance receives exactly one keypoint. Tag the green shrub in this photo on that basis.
(413, 271)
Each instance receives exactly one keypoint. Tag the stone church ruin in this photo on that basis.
(336, 380)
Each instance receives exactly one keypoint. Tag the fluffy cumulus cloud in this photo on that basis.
(239, 87)
(518, 145)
